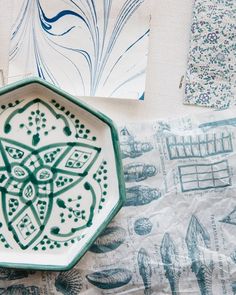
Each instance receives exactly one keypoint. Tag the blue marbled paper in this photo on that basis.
(87, 47)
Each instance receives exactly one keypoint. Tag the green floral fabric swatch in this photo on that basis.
(211, 72)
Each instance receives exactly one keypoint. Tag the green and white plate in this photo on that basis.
(61, 178)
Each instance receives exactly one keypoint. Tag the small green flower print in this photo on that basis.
(211, 72)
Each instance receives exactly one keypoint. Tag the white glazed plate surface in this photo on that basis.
(59, 177)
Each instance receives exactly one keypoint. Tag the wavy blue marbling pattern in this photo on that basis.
(87, 47)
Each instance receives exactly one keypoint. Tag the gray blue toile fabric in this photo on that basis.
(176, 231)
(211, 72)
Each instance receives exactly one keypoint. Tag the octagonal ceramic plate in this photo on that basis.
(61, 176)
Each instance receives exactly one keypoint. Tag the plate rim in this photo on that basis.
(118, 163)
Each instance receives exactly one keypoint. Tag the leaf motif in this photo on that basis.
(19, 172)
(14, 152)
(110, 278)
(28, 192)
(36, 177)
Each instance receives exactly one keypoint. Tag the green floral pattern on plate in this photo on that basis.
(35, 177)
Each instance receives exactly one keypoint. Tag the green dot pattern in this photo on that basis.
(13, 205)
(80, 129)
(9, 105)
(4, 242)
(101, 177)
(49, 244)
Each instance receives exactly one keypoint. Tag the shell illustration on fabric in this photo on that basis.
(170, 259)
(100, 47)
(230, 218)
(233, 256)
(131, 148)
(19, 290)
(141, 195)
(233, 287)
(198, 243)
(110, 278)
(35, 177)
(138, 172)
(109, 240)
(69, 283)
(143, 226)
(14, 274)
(145, 270)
